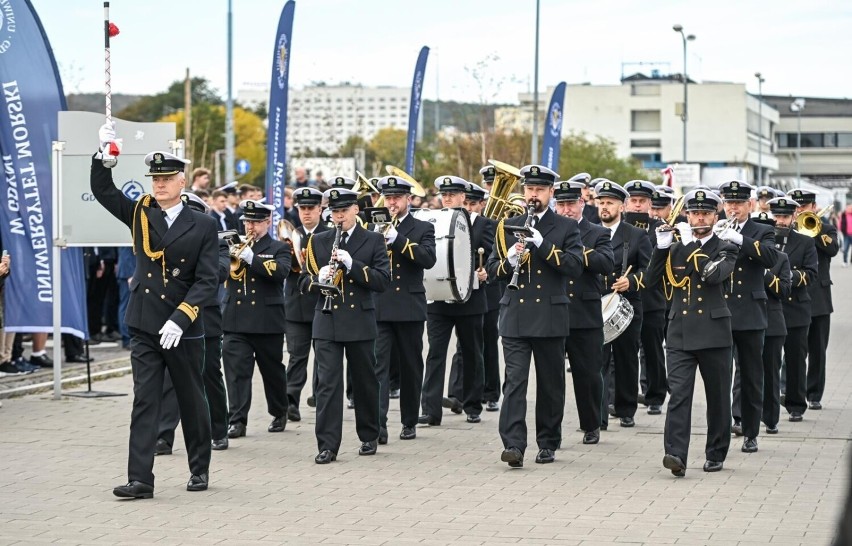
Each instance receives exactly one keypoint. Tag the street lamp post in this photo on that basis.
(797, 106)
(760, 80)
(229, 108)
(535, 153)
(684, 115)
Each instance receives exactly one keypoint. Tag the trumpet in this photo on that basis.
(522, 235)
(810, 223)
(236, 249)
(329, 289)
(722, 225)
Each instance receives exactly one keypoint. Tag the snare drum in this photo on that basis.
(451, 278)
(617, 315)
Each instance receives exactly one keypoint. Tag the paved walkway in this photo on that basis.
(60, 460)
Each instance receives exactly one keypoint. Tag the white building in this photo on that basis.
(323, 117)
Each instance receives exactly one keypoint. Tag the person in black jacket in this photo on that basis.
(534, 316)
(465, 318)
(585, 342)
(176, 262)
(358, 268)
(699, 330)
(253, 321)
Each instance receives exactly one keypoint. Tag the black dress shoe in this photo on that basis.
(453, 404)
(236, 430)
(219, 445)
(394, 393)
(325, 456)
(783, 399)
(474, 418)
(513, 456)
(737, 428)
(277, 425)
(545, 456)
(592, 437)
(655, 409)
(771, 430)
(408, 433)
(197, 482)
(368, 448)
(815, 405)
(78, 359)
(675, 464)
(162, 448)
(750, 445)
(383, 436)
(712, 466)
(492, 406)
(428, 420)
(604, 426)
(795, 417)
(311, 401)
(640, 399)
(293, 414)
(626, 422)
(43, 361)
(134, 490)
(611, 410)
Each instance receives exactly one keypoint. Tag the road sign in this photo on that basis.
(243, 167)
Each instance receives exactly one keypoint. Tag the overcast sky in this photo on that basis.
(800, 47)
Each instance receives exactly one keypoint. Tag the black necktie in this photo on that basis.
(343, 237)
(535, 221)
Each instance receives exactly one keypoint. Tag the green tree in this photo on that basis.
(596, 156)
(388, 148)
(154, 107)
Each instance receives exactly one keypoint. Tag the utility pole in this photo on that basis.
(229, 108)
(187, 116)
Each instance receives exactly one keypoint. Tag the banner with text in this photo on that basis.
(32, 98)
(276, 132)
(414, 108)
(552, 143)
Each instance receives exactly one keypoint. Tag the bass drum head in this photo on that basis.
(451, 278)
(461, 259)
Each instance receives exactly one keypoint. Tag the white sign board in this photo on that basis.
(713, 176)
(84, 221)
(686, 174)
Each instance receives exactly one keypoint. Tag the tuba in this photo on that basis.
(810, 223)
(288, 232)
(365, 188)
(502, 201)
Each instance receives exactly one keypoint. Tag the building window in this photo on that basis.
(844, 140)
(644, 90)
(645, 143)
(645, 120)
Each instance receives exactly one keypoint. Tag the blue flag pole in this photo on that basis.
(276, 132)
(552, 142)
(414, 108)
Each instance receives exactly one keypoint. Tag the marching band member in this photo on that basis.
(358, 267)
(401, 310)
(176, 257)
(631, 249)
(534, 316)
(699, 330)
(466, 318)
(584, 344)
(253, 321)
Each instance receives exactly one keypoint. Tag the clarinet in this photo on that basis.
(522, 238)
(329, 289)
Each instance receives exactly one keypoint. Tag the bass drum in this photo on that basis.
(451, 278)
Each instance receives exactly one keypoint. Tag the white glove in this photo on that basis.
(512, 256)
(732, 236)
(391, 234)
(110, 145)
(171, 335)
(664, 238)
(536, 237)
(344, 258)
(324, 274)
(685, 231)
(247, 255)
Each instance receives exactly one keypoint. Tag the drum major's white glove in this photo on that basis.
(109, 144)
(171, 334)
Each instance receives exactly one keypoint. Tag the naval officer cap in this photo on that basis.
(763, 218)
(164, 164)
(194, 202)
(340, 198)
(394, 185)
(342, 182)
(488, 173)
(608, 188)
(640, 188)
(782, 205)
(768, 192)
(255, 211)
(568, 190)
(698, 200)
(446, 184)
(585, 178)
(305, 197)
(538, 175)
(735, 190)
(802, 196)
(660, 199)
(475, 193)
(229, 188)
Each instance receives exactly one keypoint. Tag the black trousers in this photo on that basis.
(149, 362)
(361, 359)
(749, 359)
(549, 354)
(214, 389)
(772, 347)
(407, 339)
(299, 349)
(491, 359)
(817, 345)
(622, 371)
(653, 331)
(439, 329)
(715, 368)
(795, 357)
(585, 353)
(240, 351)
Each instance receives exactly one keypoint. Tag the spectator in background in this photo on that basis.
(7, 365)
(124, 272)
(844, 226)
(300, 178)
(204, 195)
(319, 181)
(218, 206)
(101, 263)
(200, 179)
(232, 202)
(291, 213)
